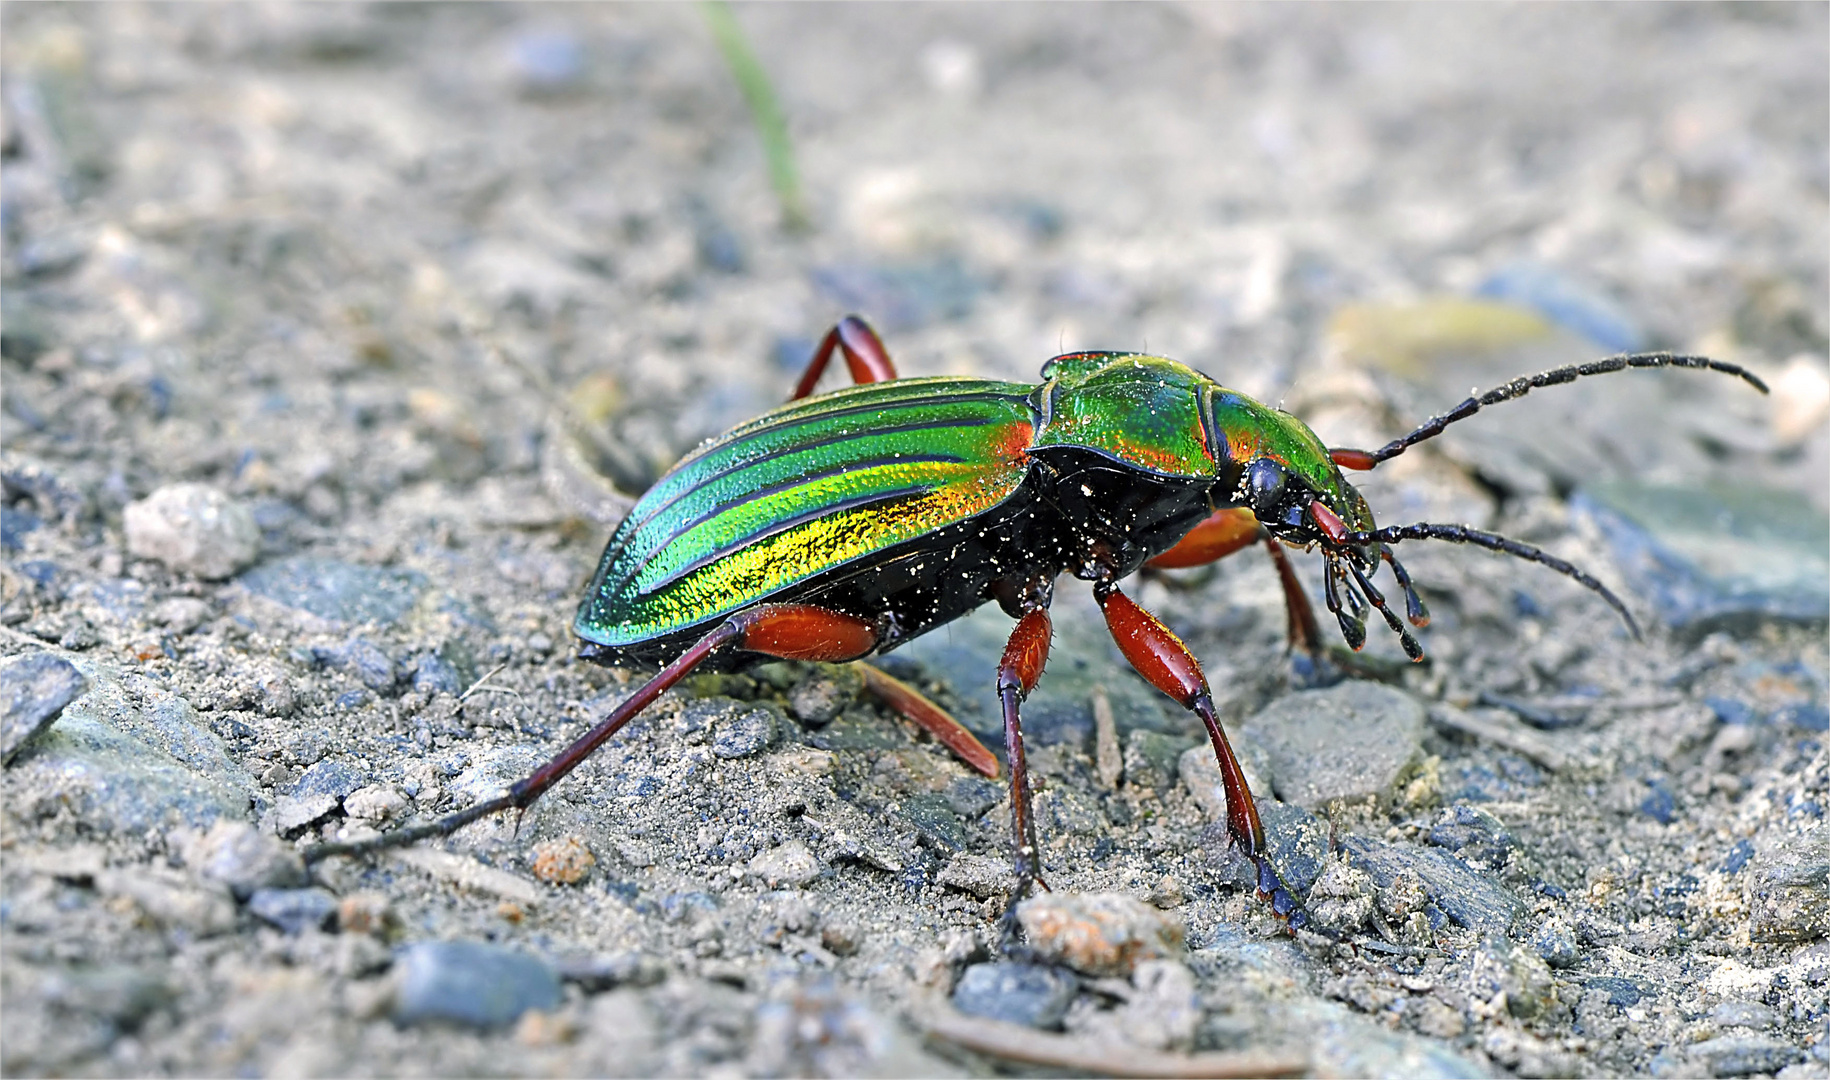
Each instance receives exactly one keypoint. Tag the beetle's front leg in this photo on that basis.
(1161, 658)
(1221, 534)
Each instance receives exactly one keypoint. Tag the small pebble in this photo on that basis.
(791, 863)
(1168, 893)
(1555, 943)
(181, 613)
(1033, 995)
(376, 803)
(366, 913)
(294, 910)
(236, 854)
(744, 735)
(338, 592)
(823, 695)
(471, 984)
(33, 692)
(1099, 933)
(328, 777)
(565, 861)
(193, 529)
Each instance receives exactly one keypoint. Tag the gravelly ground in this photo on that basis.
(353, 266)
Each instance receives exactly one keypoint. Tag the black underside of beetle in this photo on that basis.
(1072, 504)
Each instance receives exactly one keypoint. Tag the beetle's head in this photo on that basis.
(1290, 482)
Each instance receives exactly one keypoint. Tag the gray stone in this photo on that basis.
(338, 592)
(33, 692)
(1348, 742)
(1033, 995)
(366, 661)
(1743, 1014)
(236, 854)
(1466, 896)
(1744, 1055)
(932, 815)
(1716, 557)
(328, 777)
(1791, 889)
(433, 674)
(294, 910)
(745, 734)
(131, 756)
(193, 529)
(471, 984)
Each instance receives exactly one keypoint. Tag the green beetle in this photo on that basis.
(840, 526)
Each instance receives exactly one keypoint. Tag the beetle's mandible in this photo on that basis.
(840, 526)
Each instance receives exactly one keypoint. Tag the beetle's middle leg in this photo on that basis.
(865, 357)
(1226, 531)
(1164, 662)
(1025, 654)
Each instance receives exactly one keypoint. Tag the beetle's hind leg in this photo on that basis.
(865, 357)
(788, 631)
(933, 719)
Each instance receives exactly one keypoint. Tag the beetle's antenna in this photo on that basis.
(1525, 384)
(1461, 534)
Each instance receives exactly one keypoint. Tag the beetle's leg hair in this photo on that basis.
(1411, 648)
(1165, 663)
(789, 631)
(1413, 604)
(1462, 534)
(1024, 657)
(1525, 384)
(931, 718)
(865, 356)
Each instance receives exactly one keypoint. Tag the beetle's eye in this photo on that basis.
(1266, 479)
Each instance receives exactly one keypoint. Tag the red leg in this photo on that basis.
(865, 356)
(1222, 533)
(1226, 531)
(931, 718)
(1024, 657)
(789, 631)
(1164, 662)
